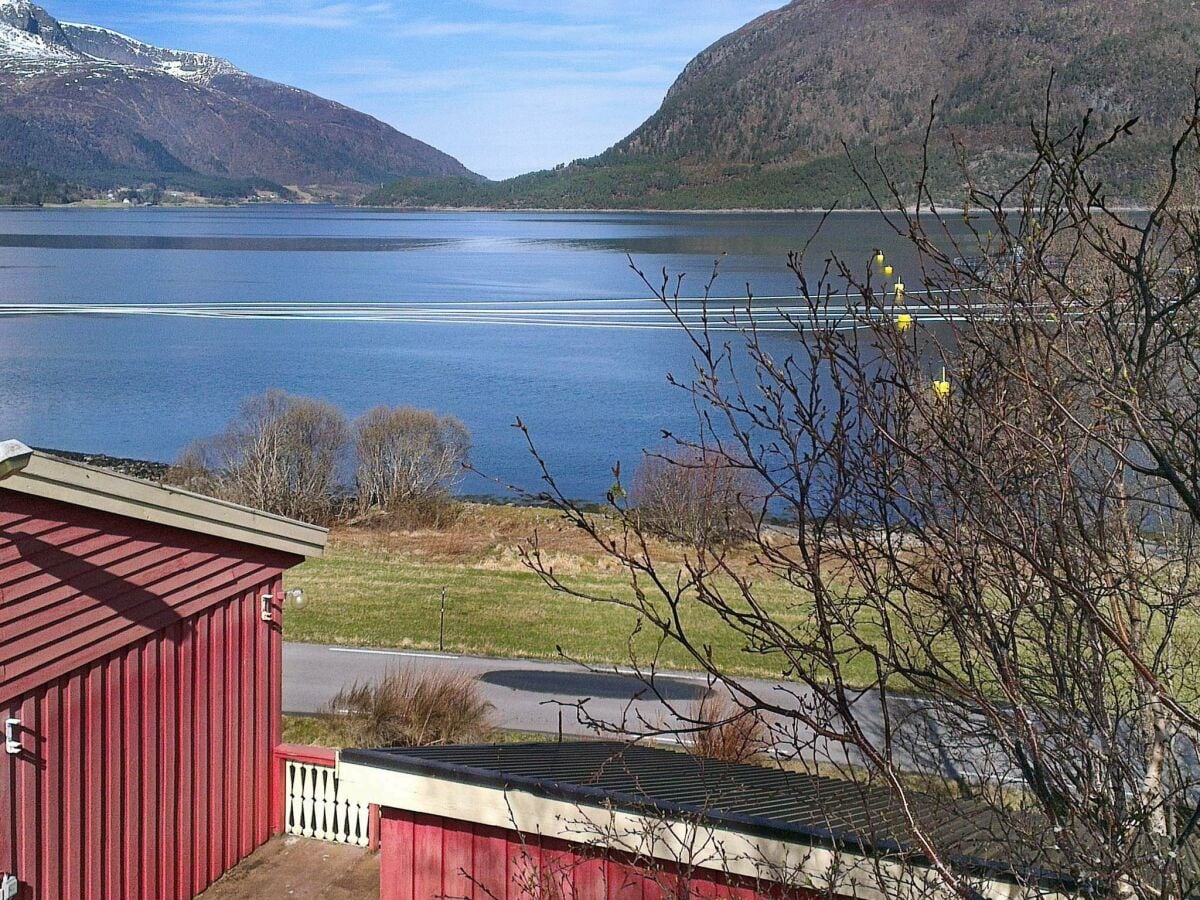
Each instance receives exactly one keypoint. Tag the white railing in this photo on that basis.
(313, 809)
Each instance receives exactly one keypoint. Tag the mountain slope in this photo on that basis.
(95, 106)
(759, 118)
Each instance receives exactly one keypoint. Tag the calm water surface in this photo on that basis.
(144, 386)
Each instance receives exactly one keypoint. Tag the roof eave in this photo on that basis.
(69, 482)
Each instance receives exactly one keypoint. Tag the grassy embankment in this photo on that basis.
(319, 731)
(378, 589)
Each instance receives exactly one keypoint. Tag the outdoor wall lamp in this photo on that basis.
(14, 456)
(268, 610)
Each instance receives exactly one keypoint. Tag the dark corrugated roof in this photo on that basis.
(769, 802)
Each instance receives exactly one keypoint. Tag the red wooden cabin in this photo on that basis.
(140, 680)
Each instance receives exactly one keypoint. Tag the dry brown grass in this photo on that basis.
(489, 537)
(407, 709)
(485, 532)
(726, 732)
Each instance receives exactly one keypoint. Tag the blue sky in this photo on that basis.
(507, 86)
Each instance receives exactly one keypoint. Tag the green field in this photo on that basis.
(385, 590)
(376, 589)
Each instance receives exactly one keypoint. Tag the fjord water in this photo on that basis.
(144, 387)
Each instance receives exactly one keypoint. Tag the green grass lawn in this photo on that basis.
(368, 595)
(383, 590)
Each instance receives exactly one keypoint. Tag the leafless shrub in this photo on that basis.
(408, 709)
(408, 462)
(724, 730)
(280, 454)
(284, 454)
(691, 497)
(192, 473)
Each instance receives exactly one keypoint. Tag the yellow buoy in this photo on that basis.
(904, 322)
(879, 258)
(941, 387)
(888, 270)
(900, 291)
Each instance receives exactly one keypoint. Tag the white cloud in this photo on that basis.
(631, 10)
(525, 32)
(622, 24)
(381, 77)
(308, 15)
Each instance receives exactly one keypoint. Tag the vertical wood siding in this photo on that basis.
(149, 692)
(116, 795)
(423, 857)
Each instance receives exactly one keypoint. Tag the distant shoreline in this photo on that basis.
(739, 211)
(216, 204)
(153, 471)
(588, 209)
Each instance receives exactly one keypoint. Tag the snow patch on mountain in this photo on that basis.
(28, 55)
(33, 42)
(16, 43)
(105, 44)
(93, 105)
(21, 8)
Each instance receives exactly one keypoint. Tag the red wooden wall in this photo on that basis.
(423, 857)
(149, 691)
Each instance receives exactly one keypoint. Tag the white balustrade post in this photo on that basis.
(308, 790)
(294, 799)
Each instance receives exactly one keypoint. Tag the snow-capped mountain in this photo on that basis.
(91, 104)
(31, 42)
(100, 43)
(17, 44)
(28, 34)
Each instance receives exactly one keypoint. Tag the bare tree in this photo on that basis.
(994, 493)
(408, 461)
(692, 498)
(280, 454)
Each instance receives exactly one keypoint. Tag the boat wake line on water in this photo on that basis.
(782, 314)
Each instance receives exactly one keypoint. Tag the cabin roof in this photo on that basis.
(769, 802)
(58, 479)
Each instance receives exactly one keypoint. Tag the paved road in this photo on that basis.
(527, 695)
(537, 696)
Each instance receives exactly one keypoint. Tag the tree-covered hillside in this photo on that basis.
(29, 187)
(760, 119)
